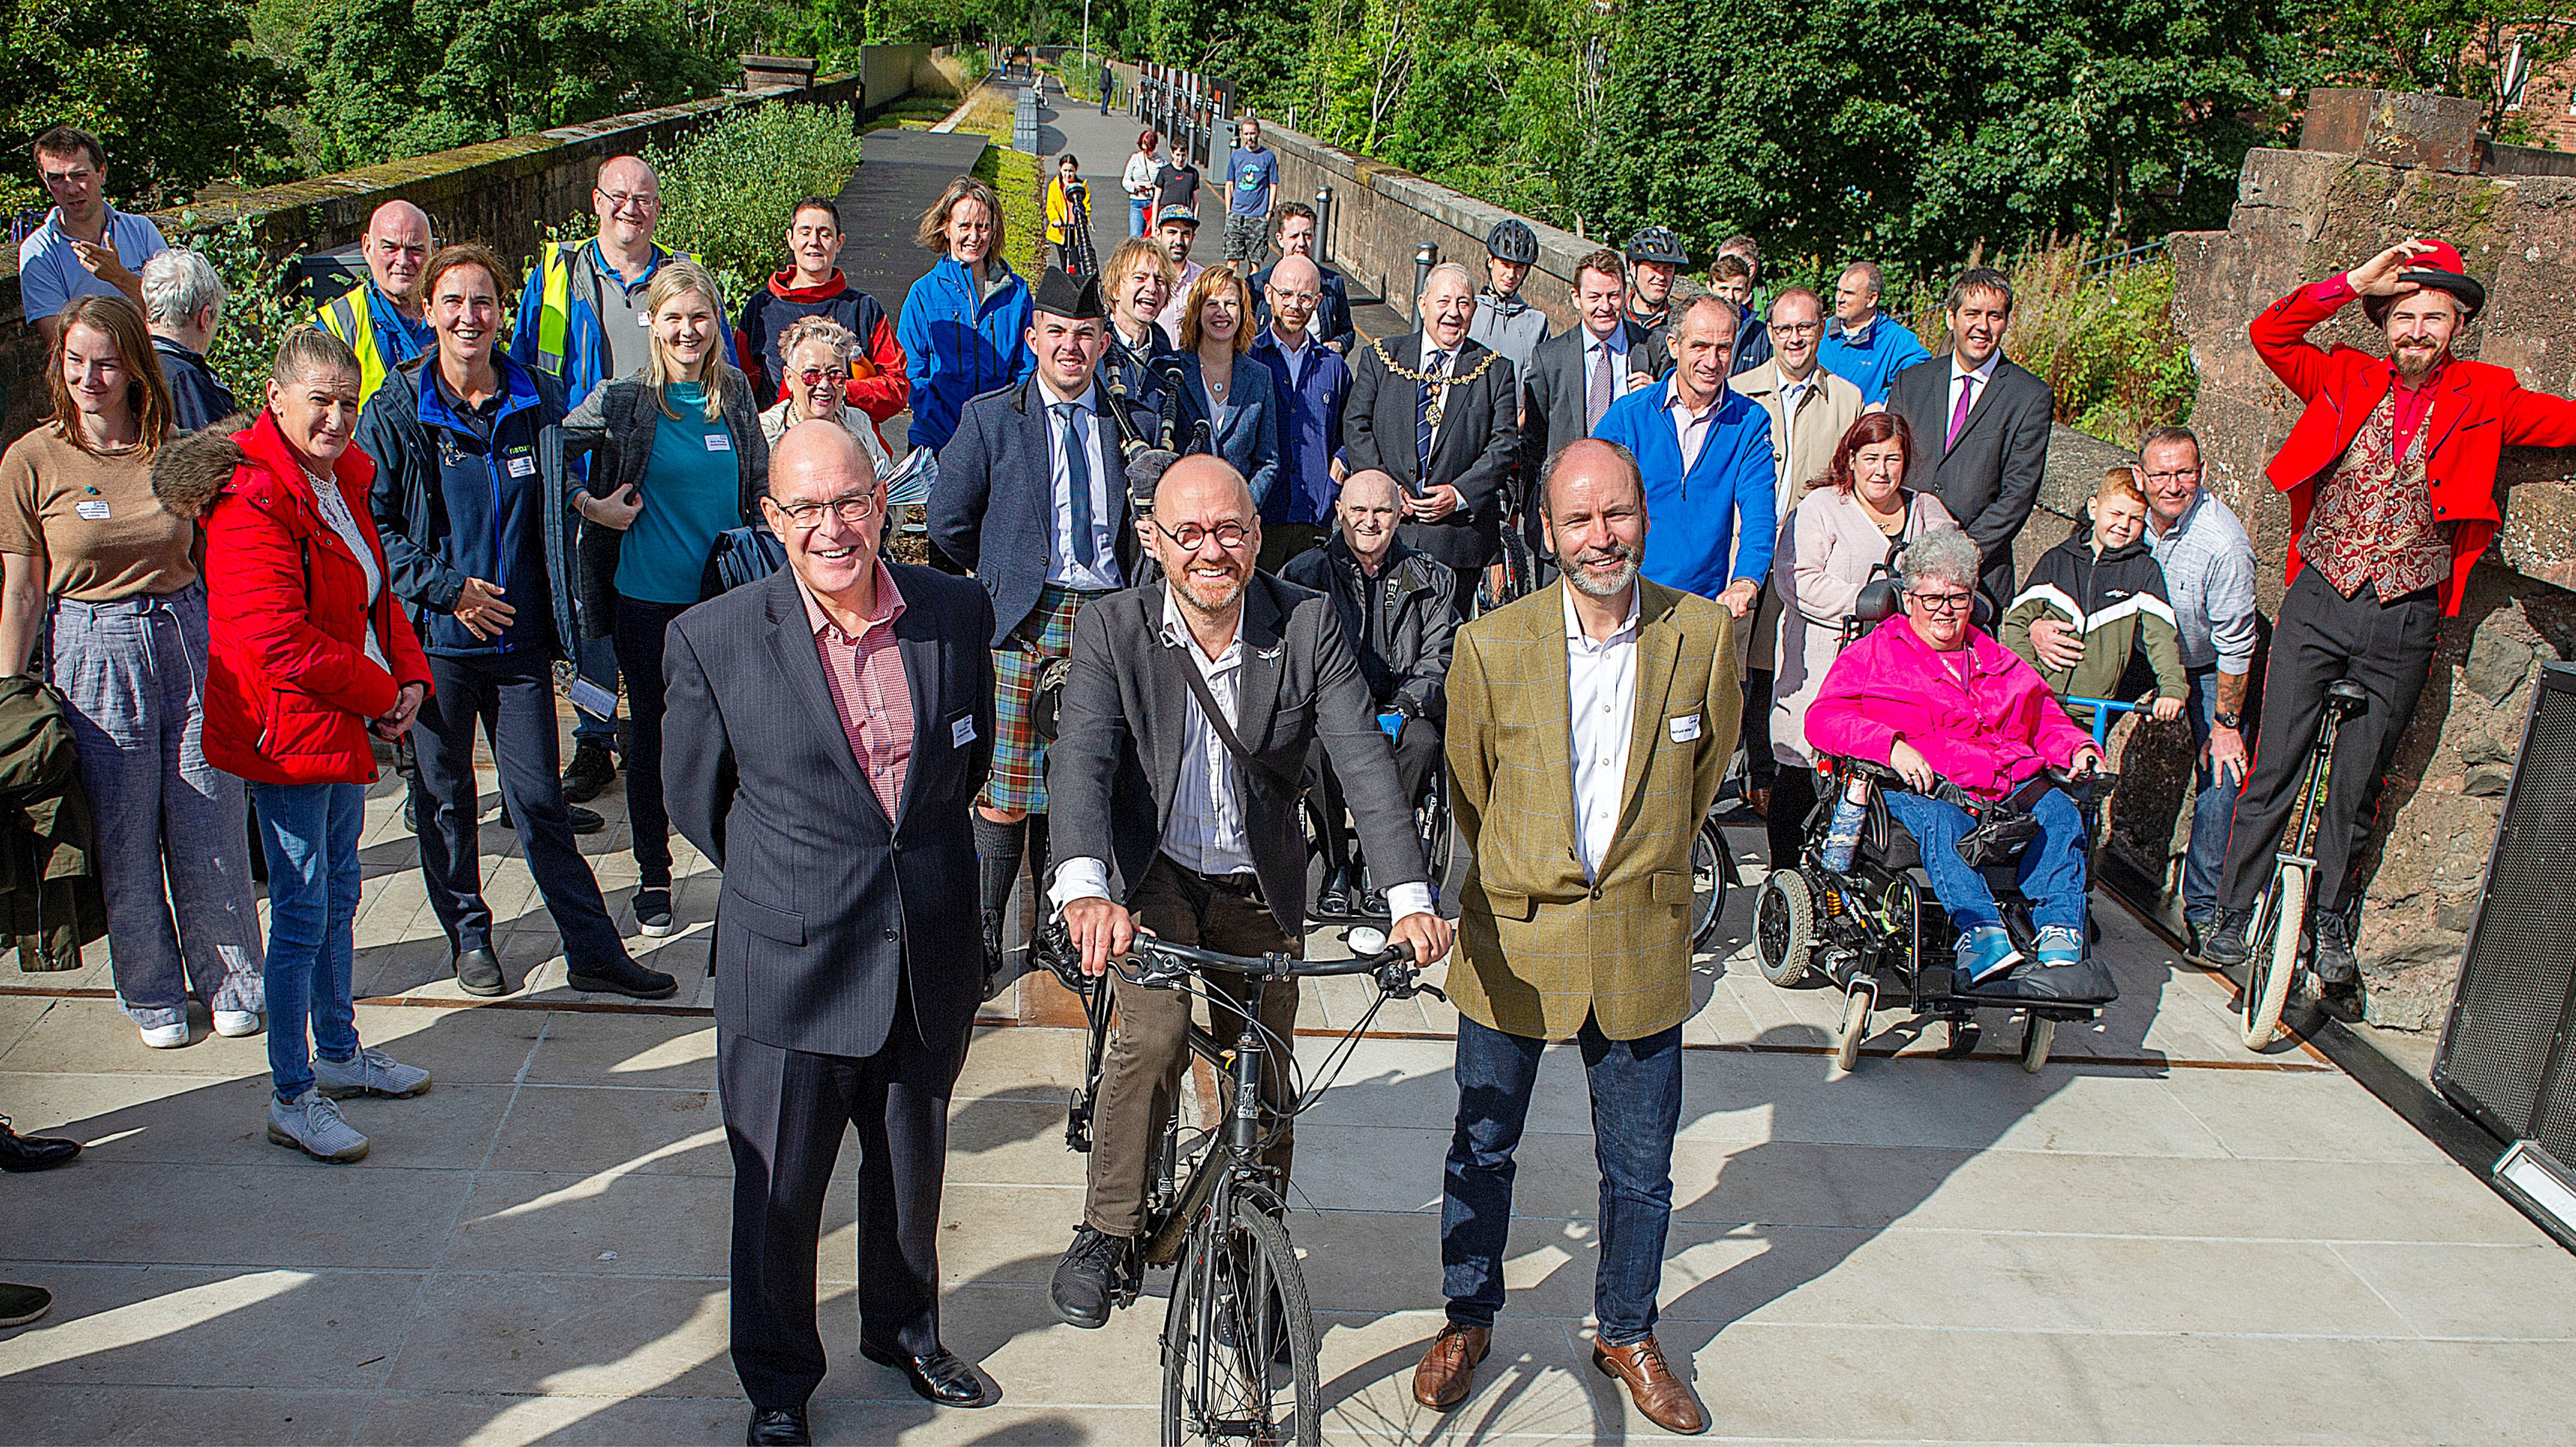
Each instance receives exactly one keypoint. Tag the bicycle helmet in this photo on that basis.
(1656, 243)
(1512, 240)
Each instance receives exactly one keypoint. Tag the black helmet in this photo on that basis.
(1656, 243)
(1512, 240)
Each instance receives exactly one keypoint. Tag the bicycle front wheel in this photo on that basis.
(1239, 1337)
(2275, 960)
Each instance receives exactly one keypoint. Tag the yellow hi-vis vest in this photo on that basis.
(349, 318)
(554, 300)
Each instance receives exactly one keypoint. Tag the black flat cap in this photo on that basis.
(1061, 294)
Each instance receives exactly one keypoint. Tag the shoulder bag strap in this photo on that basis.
(1216, 716)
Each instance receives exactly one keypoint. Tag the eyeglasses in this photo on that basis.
(814, 375)
(1944, 602)
(620, 200)
(2191, 476)
(1796, 329)
(1188, 536)
(856, 507)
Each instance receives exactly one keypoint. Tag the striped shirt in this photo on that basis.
(2209, 572)
(869, 689)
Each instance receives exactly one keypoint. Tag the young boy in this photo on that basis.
(2105, 583)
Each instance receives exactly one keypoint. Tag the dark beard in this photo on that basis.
(2416, 366)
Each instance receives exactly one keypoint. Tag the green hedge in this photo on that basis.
(727, 190)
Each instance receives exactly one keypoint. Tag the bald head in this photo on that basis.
(1293, 271)
(1198, 481)
(1370, 508)
(1295, 289)
(1592, 464)
(822, 445)
(1372, 487)
(1596, 516)
(396, 248)
(817, 474)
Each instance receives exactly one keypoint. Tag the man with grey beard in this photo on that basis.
(1589, 726)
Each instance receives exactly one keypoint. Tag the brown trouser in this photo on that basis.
(1141, 1068)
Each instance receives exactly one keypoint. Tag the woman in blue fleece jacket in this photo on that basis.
(965, 325)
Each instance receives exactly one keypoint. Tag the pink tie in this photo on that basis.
(1959, 414)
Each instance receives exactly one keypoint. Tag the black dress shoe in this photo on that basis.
(624, 977)
(583, 821)
(478, 972)
(778, 1427)
(593, 766)
(942, 1377)
(1335, 897)
(32, 1153)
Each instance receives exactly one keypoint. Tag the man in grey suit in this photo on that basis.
(1440, 413)
(1575, 375)
(827, 728)
(1198, 815)
(1980, 420)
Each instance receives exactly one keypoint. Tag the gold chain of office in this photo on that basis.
(1440, 398)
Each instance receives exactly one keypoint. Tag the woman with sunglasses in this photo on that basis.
(1934, 697)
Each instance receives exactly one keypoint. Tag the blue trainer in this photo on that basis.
(1986, 951)
(2058, 945)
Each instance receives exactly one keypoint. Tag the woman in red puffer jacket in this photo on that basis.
(311, 660)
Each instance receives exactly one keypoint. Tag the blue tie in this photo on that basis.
(1422, 419)
(1077, 467)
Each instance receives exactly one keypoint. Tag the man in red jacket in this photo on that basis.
(2391, 474)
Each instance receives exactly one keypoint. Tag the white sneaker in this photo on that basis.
(373, 1072)
(313, 1125)
(166, 1037)
(234, 1024)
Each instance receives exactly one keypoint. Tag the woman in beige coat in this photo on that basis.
(1838, 538)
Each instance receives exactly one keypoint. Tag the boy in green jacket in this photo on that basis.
(2105, 583)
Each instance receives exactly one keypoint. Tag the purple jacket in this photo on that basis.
(1987, 737)
(1309, 429)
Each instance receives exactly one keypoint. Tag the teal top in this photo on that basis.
(692, 492)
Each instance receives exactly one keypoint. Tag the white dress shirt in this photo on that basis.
(1690, 428)
(1204, 829)
(1962, 377)
(1063, 569)
(1601, 715)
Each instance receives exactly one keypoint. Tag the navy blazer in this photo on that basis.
(1249, 436)
(993, 509)
(829, 908)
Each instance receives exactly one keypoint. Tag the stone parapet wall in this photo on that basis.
(503, 192)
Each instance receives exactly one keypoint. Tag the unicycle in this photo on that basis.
(2281, 915)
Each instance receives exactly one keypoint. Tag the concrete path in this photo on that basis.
(2158, 1239)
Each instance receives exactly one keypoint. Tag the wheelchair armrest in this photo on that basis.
(1886, 778)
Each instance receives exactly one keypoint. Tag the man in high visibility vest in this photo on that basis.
(380, 318)
(582, 317)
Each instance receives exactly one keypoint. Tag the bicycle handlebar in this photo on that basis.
(1160, 964)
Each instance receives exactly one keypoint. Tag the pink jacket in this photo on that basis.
(1987, 737)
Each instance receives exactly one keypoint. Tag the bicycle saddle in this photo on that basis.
(2346, 692)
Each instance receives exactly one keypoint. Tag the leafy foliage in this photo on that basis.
(728, 188)
(160, 81)
(2453, 47)
(257, 314)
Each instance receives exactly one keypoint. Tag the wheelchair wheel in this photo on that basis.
(1784, 927)
(1856, 1005)
(1708, 882)
(2035, 1040)
(2275, 961)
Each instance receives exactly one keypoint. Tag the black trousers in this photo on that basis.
(2322, 636)
(513, 698)
(639, 629)
(1463, 540)
(1417, 747)
(784, 1111)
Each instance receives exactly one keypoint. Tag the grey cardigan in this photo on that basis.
(614, 426)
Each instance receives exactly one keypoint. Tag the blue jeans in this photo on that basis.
(599, 665)
(311, 834)
(1136, 215)
(2051, 873)
(1636, 1107)
(2213, 807)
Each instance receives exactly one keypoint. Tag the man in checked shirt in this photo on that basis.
(2391, 474)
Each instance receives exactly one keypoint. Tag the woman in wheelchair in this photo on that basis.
(1934, 698)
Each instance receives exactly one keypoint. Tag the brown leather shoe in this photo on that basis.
(1448, 1370)
(1651, 1383)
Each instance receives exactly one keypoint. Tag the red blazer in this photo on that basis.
(289, 686)
(2477, 410)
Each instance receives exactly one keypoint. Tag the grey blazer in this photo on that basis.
(1988, 476)
(1115, 764)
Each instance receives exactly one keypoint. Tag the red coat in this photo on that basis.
(2477, 409)
(289, 686)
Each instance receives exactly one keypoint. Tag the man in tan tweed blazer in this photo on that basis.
(1590, 724)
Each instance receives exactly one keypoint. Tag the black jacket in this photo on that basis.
(411, 515)
(51, 898)
(196, 398)
(1478, 443)
(829, 908)
(1113, 768)
(1399, 623)
(1988, 476)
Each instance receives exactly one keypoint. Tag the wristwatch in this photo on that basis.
(2228, 720)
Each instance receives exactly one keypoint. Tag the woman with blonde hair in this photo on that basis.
(679, 458)
(93, 566)
(965, 324)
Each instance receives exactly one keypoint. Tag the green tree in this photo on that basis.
(162, 82)
(2479, 49)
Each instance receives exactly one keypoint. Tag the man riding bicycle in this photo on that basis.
(1188, 713)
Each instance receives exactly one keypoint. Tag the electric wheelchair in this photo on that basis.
(1876, 929)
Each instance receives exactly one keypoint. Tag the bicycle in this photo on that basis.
(1238, 1308)
(2280, 916)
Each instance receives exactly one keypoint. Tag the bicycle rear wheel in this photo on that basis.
(1239, 1337)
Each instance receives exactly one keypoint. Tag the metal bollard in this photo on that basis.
(1323, 220)
(1423, 260)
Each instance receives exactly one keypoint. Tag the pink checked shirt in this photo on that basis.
(869, 690)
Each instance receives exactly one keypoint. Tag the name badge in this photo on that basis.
(719, 442)
(93, 509)
(961, 732)
(1684, 729)
(523, 466)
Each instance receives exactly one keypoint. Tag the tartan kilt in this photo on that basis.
(1018, 781)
